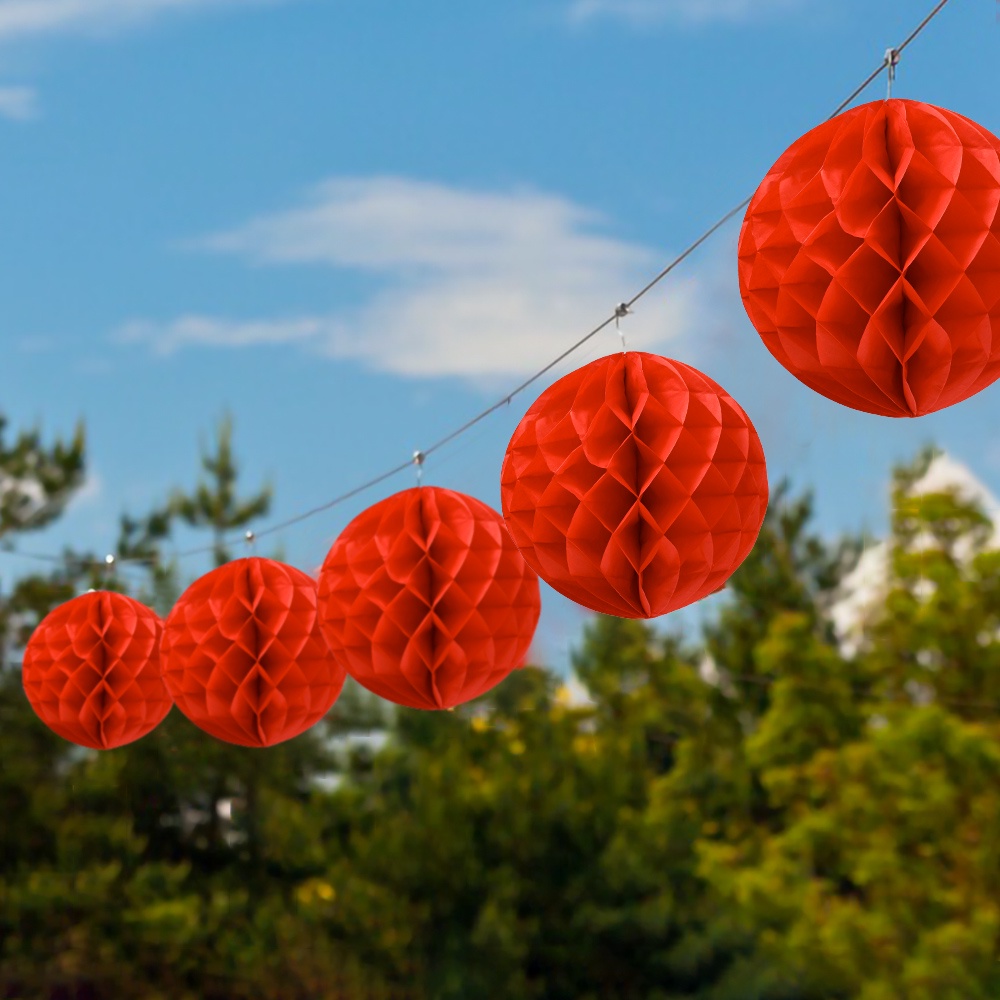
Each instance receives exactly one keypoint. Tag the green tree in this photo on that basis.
(140, 544)
(37, 480)
(877, 876)
(790, 569)
(756, 814)
(214, 503)
(130, 873)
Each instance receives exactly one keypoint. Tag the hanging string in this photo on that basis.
(889, 62)
(621, 311)
(873, 76)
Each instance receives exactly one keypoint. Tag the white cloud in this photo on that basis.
(385, 223)
(28, 18)
(641, 12)
(204, 331)
(19, 104)
(471, 283)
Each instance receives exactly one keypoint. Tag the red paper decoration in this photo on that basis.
(92, 671)
(634, 485)
(426, 600)
(869, 260)
(243, 656)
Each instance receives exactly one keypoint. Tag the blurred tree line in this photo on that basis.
(749, 814)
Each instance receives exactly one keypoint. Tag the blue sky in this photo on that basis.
(355, 223)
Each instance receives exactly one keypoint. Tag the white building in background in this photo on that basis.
(572, 693)
(863, 590)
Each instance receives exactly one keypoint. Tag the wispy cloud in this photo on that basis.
(471, 283)
(387, 223)
(643, 12)
(204, 331)
(19, 104)
(26, 18)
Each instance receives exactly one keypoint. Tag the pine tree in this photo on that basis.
(120, 873)
(213, 504)
(36, 483)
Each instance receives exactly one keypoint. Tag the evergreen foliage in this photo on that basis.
(745, 815)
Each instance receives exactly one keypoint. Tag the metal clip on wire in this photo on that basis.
(621, 311)
(891, 62)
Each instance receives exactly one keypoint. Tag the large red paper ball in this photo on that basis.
(243, 656)
(426, 600)
(869, 259)
(92, 670)
(634, 485)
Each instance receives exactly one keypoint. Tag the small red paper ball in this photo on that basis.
(426, 600)
(243, 656)
(869, 259)
(634, 485)
(92, 671)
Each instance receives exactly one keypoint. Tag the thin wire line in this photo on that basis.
(80, 560)
(920, 27)
(336, 500)
(887, 63)
(874, 75)
(711, 231)
(869, 80)
(36, 556)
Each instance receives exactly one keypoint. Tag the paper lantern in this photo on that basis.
(426, 600)
(91, 670)
(243, 656)
(869, 259)
(634, 485)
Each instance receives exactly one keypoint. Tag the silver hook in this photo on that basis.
(418, 460)
(251, 539)
(621, 311)
(891, 62)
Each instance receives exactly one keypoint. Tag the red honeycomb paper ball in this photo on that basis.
(869, 259)
(92, 671)
(426, 600)
(634, 485)
(243, 656)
